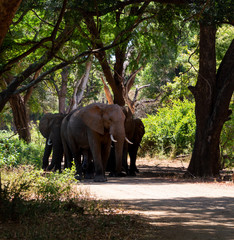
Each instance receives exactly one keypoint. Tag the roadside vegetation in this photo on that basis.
(38, 205)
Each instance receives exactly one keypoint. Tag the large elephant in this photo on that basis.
(49, 127)
(94, 127)
(135, 130)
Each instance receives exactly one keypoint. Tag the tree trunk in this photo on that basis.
(21, 118)
(63, 91)
(115, 82)
(19, 110)
(84, 81)
(212, 96)
(80, 87)
(8, 9)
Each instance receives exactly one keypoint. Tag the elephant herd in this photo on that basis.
(97, 137)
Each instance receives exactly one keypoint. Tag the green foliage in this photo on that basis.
(54, 186)
(224, 37)
(14, 152)
(227, 142)
(171, 66)
(171, 131)
(213, 12)
(21, 183)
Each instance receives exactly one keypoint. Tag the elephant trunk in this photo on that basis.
(118, 155)
(117, 136)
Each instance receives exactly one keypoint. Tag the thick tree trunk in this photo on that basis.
(19, 110)
(21, 118)
(115, 82)
(212, 96)
(8, 9)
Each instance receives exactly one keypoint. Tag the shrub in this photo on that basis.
(14, 152)
(171, 131)
(22, 189)
(227, 142)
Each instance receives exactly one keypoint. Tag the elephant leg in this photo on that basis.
(133, 154)
(47, 152)
(87, 165)
(57, 157)
(112, 163)
(67, 154)
(90, 171)
(77, 159)
(125, 158)
(85, 162)
(98, 165)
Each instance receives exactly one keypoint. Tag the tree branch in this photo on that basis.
(107, 92)
(60, 18)
(42, 20)
(64, 64)
(8, 66)
(137, 91)
(131, 79)
(21, 17)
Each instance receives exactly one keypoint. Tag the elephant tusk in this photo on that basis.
(112, 138)
(128, 140)
(49, 142)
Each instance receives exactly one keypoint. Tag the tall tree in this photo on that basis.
(212, 92)
(126, 20)
(56, 39)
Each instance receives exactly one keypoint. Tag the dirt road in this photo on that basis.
(176, 209)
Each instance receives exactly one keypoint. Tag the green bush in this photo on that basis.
(227, 142)
(14, 152)
(171, 131)
(24, 188)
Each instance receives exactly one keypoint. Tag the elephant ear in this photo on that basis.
(92, 117)
(45, 124)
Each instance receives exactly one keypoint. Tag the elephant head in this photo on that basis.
(134, 130)
(48, 123)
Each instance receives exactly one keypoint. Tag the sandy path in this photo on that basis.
(176, 209)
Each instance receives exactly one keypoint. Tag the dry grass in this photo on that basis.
(24, 216)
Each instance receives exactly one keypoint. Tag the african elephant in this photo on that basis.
(49, 127)
(135, 130)
(94, 127)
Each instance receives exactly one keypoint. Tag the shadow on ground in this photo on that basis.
(199, 216)
(186, 218)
